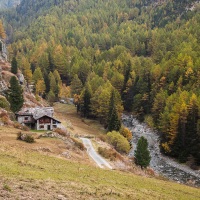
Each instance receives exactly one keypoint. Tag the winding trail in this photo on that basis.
(161, 164)
(102, 163)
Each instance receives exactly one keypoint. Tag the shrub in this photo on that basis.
(25, 137)
(102, 138)
(6, 120)
(119, 142)
(60, 132)
(25, 128)
(17, 125)
(29, 139)
(78, 144)
(126, 133)
(4, 103)
(109, 154)
(19, 134)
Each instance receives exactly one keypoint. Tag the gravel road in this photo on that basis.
(102, 163)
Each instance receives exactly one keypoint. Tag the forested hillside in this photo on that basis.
(145, 53)
(8, 3)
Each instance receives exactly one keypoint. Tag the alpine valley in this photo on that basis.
(123, 74)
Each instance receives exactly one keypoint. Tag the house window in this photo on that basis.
(41, 126)
(25, 118)
(54, 126)
(44, 120)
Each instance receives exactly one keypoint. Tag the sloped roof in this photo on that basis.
(37, 112)
(36, 118)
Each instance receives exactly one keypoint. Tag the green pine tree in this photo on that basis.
(51, 97)
(142, 154)
(86, 101)
(15, 95)
(114, 122)
(14, 67)
(76, 85)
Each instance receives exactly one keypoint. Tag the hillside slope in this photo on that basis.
(6, 4)
(29, 173)
(146, 51)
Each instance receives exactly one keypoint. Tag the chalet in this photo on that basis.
(39, 118)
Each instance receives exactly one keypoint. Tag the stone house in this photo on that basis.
(39, 118)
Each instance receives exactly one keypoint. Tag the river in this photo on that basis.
(161, 164)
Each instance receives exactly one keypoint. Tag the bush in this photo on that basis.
(19, 134)
(119, 142)
(78, 144)
(109, 154)
(102, 138)
(60, 132)
(25, 128)
(20, 126)
(29, 139)
(4, 103)
(126, 133)
(25, 137)
(17, 125)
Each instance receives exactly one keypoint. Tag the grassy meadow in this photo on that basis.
(39, 171)
(25, 170)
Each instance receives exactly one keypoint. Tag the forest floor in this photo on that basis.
(42, 171)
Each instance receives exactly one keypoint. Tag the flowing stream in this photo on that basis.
(161, 164)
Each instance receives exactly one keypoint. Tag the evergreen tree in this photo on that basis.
(47, 82)
(87, 101)
(142, 154)
(114, 122)
(53, 85)
(76, 85)
(15, 95)
(51, 97)
(14, 67)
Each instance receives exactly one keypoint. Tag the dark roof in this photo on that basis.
(23, 114)
(36, 118)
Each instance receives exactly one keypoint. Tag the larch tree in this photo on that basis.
(59, 60)
(2, 31)
(39, 82)
(53, 85)
(76, 85)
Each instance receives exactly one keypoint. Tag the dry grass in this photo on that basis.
(38, 176)
(37, 171)
(77, 126)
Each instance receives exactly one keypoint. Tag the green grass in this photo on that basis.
(93, 182)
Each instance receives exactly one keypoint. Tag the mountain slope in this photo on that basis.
(148, 51)
(9, 3)
(31, 171)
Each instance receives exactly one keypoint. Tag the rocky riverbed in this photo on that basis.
(161, 164)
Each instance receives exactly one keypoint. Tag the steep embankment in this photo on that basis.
(161, 164)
